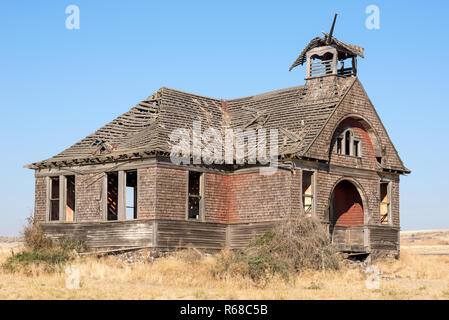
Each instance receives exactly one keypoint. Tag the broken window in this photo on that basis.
(54, 199)
(195, 195)
(385, 203)
(112, 196)
(308, 187)
(339, 143)
(131, 195)
(348, 143)
(70, 199)
(356, 148)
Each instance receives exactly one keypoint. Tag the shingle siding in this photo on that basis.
(40, 199)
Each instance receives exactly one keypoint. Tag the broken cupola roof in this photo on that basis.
(323, 54)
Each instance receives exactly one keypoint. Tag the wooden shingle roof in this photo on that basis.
(299, 113)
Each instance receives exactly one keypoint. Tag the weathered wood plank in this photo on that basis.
(136, 233)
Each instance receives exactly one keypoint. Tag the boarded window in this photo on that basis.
(195, 192)
(131, 195)
(54, 198)
(384, 203)
(112, 199)
(308, 191)
(70, 199)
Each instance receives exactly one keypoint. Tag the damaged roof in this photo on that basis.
(299, 113)
(345, 50)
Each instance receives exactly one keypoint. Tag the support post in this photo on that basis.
(62, 198)
(121, 203)
(104, 197)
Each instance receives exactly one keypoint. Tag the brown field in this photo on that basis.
(422, 272)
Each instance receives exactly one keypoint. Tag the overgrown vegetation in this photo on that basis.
(41, 252)
(295, 245)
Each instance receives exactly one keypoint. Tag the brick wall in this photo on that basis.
(88, 197)
(171, 193)
(217, 197)
(248, 197)
(296, 193)
(40, 199)
(146, 193)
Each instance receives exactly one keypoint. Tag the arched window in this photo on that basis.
(348, 138)
(347, 145)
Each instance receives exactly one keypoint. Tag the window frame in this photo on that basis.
(51, 199)
(311, 196)
(61, 199)
(388, 203)
(201, 196)
(342, 145)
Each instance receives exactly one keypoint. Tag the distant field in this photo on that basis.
(426, 242)
(422, 272)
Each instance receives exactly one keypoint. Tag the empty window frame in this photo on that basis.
(348, 138)
(54, 199)
(347, 145)
(356, 148)
(131, 195)
(385, 208)
(70, 199)
(339, 145)
(112, 196)
(195, 196)
(62, 198)
(308, 192)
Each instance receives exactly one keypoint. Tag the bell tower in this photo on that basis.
(329, 57)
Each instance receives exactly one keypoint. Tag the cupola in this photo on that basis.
(329, 57)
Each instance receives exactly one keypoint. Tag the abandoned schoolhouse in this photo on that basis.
(120, 188)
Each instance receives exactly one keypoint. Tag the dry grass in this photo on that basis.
(187, 276)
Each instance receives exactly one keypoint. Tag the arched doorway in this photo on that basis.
(346, 206)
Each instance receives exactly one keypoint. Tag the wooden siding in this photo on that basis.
(170, 234)
(116, 234)
(181, 234)
(349, 238)
(384, 238)
(240, 235)
(177, 234)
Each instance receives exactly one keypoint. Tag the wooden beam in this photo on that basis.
(62, 198)
(121, 205)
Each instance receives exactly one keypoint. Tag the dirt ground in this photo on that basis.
(422, 272)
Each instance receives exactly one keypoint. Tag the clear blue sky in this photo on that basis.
(59, 85)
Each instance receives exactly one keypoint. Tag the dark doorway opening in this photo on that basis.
(347, 205)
